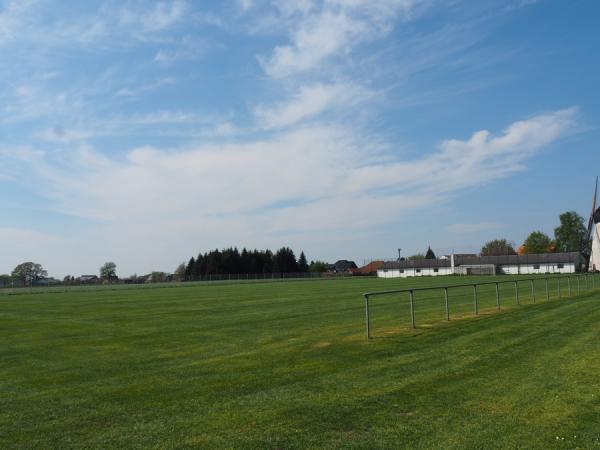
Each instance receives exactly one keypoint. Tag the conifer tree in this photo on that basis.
(302, 263)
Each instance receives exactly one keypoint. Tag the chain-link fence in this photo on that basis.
(141, 282)
(428, 305)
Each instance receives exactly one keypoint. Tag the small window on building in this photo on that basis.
(560, 266)
(401, 270)
(536, 266)
(435, 270)
(418, 270)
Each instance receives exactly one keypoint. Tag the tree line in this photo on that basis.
(232, 261)
(570, 236)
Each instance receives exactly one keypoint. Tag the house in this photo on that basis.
(342, 266)
(528, 264)
(459, 255)
(89, 279)
(369, 269)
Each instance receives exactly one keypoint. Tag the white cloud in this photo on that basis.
(160, 16)
(245, 5)
(310, 101)
(13, 18)
(334, 28)
(480, 159)
(256, 192)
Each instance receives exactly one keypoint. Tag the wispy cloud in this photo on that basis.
(331, 29)
(109, 117)
(158, 17)
(309, 102)
(316, 173)
(13, 18)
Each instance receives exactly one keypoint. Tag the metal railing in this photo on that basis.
(594, 277)
(205, 281)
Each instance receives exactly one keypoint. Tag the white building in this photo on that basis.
(547, 263)
(594, 265)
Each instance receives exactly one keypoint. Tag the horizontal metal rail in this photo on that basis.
(445, 288)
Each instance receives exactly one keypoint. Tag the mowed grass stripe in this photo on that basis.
(287, 366)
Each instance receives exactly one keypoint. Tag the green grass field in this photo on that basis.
(287, 365)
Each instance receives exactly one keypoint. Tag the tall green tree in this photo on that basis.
(497, 247)
(318, 266)
(571, 234)
(190, 269)
(5, 280)
(302, 263)
(108, 271)
(158, 277)
(284, 261)
(429, 254)
(28, 272)
(416, 257)
(538, 242)
(179, 274)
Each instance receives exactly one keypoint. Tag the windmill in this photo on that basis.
(594, 233)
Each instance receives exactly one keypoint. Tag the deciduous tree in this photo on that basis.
(318, 266)
(538, 242)
(571, 234)
(497, 247)
(28, 272)
(108, 271)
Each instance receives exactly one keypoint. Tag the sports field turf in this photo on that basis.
(287, 365)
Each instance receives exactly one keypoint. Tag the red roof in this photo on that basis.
(372, 267)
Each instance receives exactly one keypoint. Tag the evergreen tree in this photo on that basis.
(189, 269)
(302, 263)
(285, 261)
(429, 254)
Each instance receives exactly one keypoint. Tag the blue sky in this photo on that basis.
(143, 132)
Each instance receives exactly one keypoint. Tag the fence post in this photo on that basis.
(367, 316)
(412, 309)
(517, 292)
(497, 297)
(533, 291)
(547, 293)
(569, 283)
(446, 302)
(475, 299)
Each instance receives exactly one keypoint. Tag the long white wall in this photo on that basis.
(523, 269)
(405, 273)
(533, 269)
(595, 256)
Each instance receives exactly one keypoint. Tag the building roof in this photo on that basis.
(343, 265)
(372, 267)
(542, 258)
